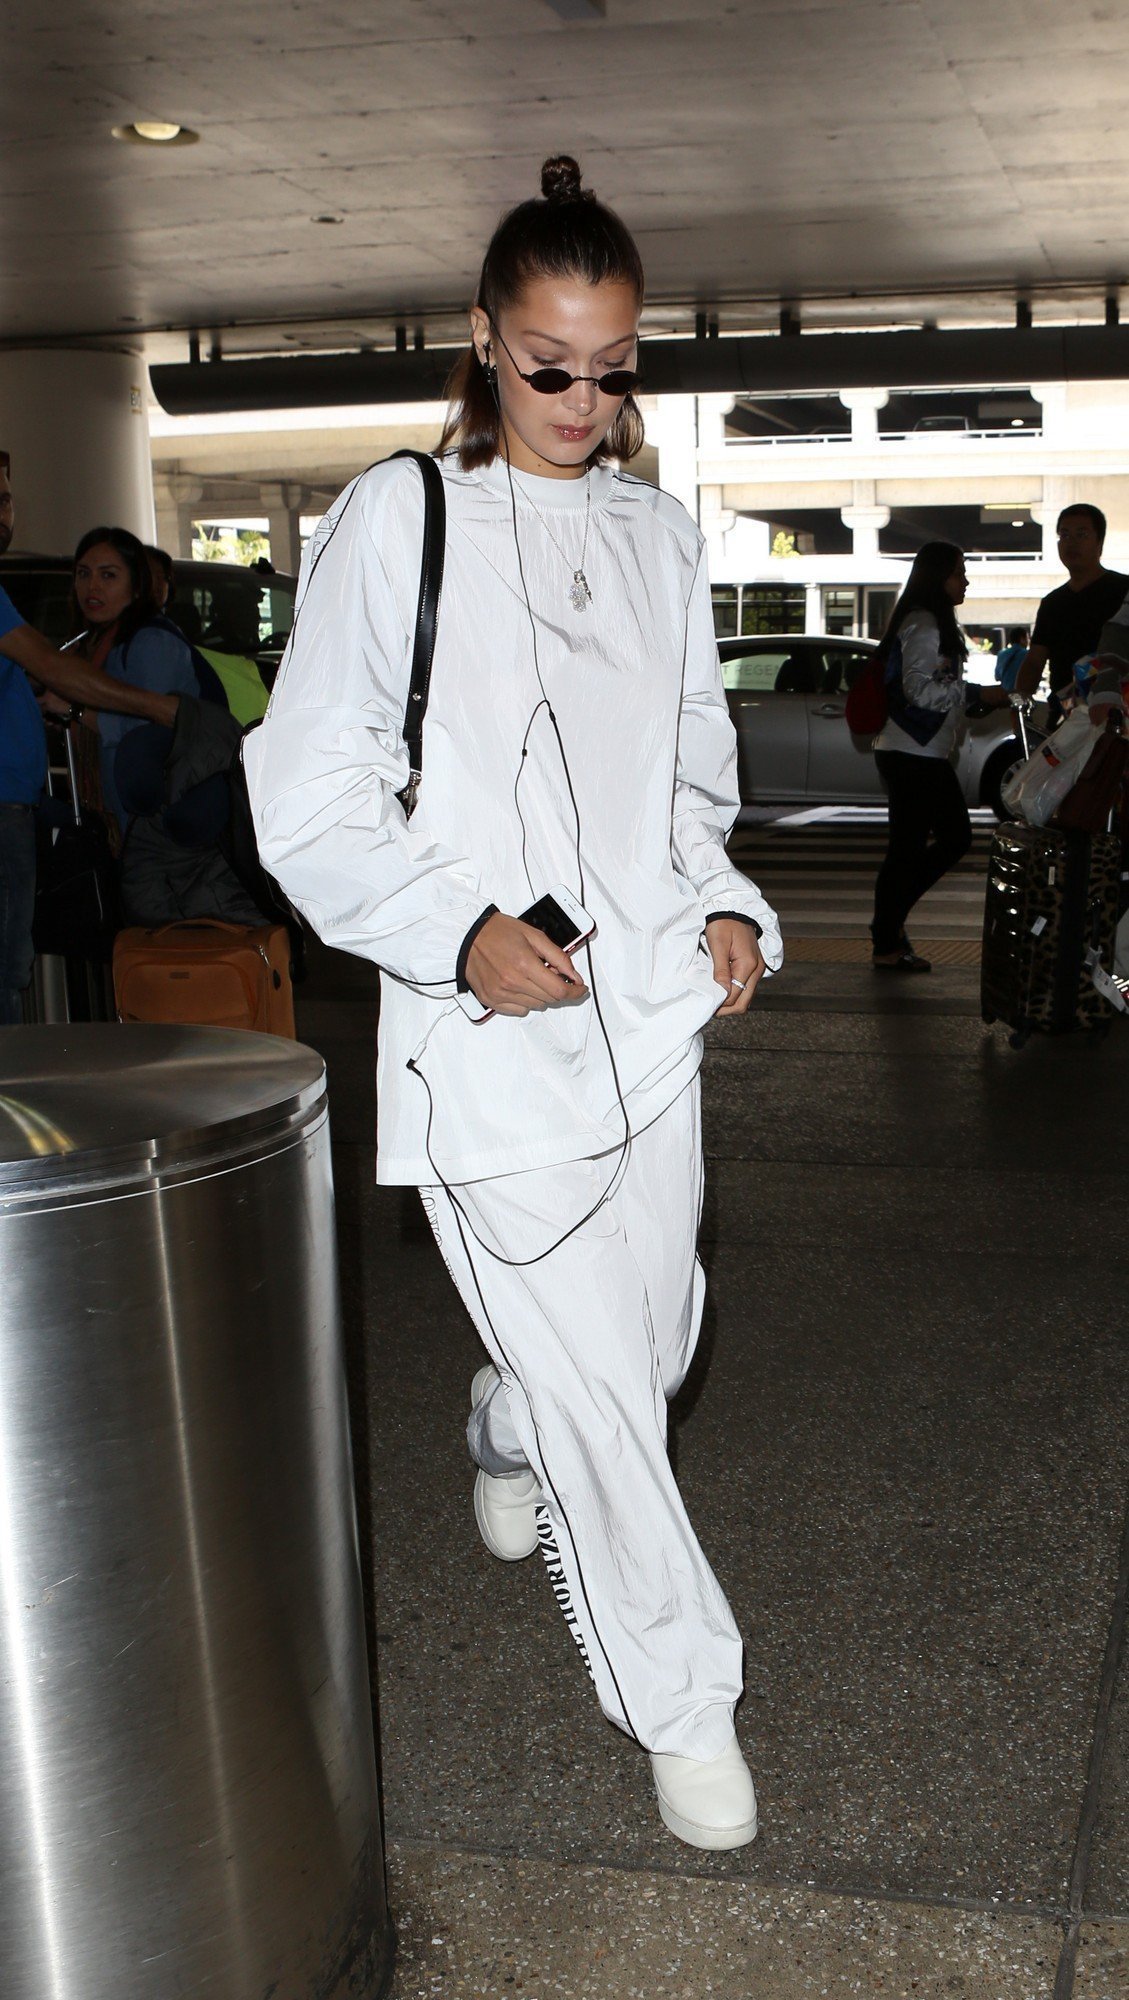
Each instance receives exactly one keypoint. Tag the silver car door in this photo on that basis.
(771, 724)
(840, 766)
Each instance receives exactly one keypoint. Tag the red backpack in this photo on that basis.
(866, 709)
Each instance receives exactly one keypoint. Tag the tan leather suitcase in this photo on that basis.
(205, 973)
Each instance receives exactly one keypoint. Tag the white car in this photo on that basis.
(787, 694)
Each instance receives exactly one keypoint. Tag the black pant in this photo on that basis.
(929, 831)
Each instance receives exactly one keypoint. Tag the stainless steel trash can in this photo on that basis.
(189, 1800)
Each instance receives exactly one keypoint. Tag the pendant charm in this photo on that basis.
(580, 597)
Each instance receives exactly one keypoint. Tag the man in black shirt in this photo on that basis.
(1070, 619)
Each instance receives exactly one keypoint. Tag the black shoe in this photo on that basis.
(907, 961)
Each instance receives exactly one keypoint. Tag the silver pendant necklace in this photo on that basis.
(580, 595)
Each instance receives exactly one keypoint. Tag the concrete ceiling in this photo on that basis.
(939, 153)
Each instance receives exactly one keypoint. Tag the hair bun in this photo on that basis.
(560, 180)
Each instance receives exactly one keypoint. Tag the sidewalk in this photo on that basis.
(907, 1458)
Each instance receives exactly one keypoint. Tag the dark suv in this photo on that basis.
(220, 606)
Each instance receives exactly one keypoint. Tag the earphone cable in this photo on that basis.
(522, 1263)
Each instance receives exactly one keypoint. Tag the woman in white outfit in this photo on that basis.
(576, 734)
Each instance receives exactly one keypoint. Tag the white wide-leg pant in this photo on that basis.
(590, 1342)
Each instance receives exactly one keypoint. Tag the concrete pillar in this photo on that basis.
(864, 517)
(187, 515)
(672, 428)
(864, 405)
(1056, 417)
(712, 412)
(167, 534)
(177, 496)
(715, 521)
(1057, 494)
(283, 501)
(76, 425)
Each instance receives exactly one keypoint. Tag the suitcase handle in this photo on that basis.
(1021, 709)
(197, 924)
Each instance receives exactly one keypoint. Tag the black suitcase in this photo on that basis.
(1050, 919)
(76, 891)
(76, 888)
(76, 903)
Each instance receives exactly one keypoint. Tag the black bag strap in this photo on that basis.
(239, 845)
(427, 617)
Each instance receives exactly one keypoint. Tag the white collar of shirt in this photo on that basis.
(562, 493)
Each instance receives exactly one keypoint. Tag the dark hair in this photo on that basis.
(925, 590)
(162, 559)
(565, 234)
(1093, 514)
(143, 607)
(1018, 635)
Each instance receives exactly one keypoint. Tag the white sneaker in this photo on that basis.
(505, 1504)
(707, 1805)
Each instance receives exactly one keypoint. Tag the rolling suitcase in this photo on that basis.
(205, 973)
(76, 898)
(1050, 921)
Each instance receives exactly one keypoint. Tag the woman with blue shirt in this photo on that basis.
(127, 636)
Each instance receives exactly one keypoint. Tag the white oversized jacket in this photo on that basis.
(636, 691)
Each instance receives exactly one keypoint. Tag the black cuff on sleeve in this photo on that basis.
(461, 984)
(738, 917)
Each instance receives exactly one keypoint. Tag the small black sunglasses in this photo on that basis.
(554, 381)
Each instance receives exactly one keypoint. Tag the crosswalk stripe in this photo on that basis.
(817, 869)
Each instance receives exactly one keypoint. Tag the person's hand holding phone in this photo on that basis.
(513, 968)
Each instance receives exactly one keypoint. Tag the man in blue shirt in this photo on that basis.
(1013, 655)
(23, 764)
(23, 770)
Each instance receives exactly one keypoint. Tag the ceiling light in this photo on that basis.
(1017, 423)
(156, 132)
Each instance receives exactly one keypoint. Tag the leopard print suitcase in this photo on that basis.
(1050, 896)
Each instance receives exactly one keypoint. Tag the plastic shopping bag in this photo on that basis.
(1036, 791)
(1097, 794)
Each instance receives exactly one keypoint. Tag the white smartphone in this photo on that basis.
(562, 919)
